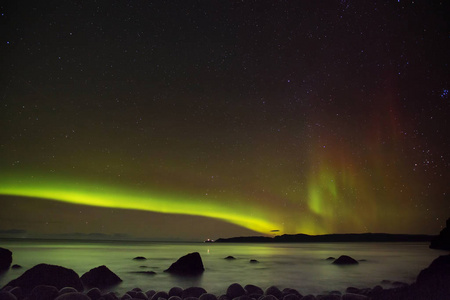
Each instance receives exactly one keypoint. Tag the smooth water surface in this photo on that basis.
(300, 266)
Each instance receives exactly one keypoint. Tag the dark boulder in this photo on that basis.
(345, 260)
(160, 294)
(66, 290)
(175, 291)
(139, 258)
(435, 278)
(100, 277)
(193, 292)
(268, 297)
(230, 257)
(253, 261)
(94, 293)
(235, 290)
(354, 297)
(291, 297)
(174, 298)
(73, 296)
(274, 291)
(5, 295)
(17, 291)
(5, 259)
(207, 296)
(253, 290)
(44, 274)
(442, 241)
(190, 264)
(43, 292)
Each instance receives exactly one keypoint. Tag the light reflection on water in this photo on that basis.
(300, 266)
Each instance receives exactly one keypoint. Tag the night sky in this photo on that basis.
(206, 119)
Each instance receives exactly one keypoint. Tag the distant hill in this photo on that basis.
(330, 238)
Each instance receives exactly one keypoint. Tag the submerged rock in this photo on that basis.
(230, 257)
(345, 260)
(253, 261)
(190, 264)
(5, 259)
(100, 277)
(139, 258)
(44, 274)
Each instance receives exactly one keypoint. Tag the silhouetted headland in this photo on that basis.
(442, 241)
(330, 238)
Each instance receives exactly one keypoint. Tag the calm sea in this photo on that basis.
(300, 266)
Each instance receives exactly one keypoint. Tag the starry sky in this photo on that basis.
(189, 120)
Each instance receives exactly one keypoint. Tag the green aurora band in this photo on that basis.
(122, 198)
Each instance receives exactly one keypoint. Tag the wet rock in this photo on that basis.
(230, 257)
(235, 290)
(274, 291)
(207, 296)
(253, 290)
(94, 293)
(350, 296)
(43, 292)
(5, 259)
(352, 290)
(268, 297)
(243, 297)
(140, 295)
(17, 291)
(67, 289)
(5, 295)
(175, 298)
(309, 297)
(190, 264)
(376, 290)
(100, 277)
(331, 258)
(328, 297)
(44, 274)
(291, 297)
(223, 297)
(126, 297)
(73, 296)
(160, 294)
(110, 296)
(139, 258)
(345, 260)
(15, 266)
(194, 291)
(150, 293)
(436, 277)
(176, 291)
(289, 291)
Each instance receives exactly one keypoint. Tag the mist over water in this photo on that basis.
(300, 266)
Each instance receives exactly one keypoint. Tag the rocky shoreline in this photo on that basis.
(49, 282)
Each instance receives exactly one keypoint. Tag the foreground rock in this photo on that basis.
(190, 264)
(345, 260)
(44, 274)
(100, 277)
(5, 259)
(442, 241)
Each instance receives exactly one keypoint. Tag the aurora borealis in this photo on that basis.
(224, 118)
